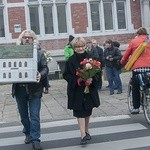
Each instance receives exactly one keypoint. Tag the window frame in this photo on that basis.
(115, 24)
(125, 13)
(41, 4)
(3, 15)
(96, 2)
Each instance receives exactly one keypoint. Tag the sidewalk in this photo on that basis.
(54, 104)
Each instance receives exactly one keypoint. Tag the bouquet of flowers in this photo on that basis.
(48, 56)
(90, 68)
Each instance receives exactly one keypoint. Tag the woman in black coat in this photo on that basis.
(81, 103)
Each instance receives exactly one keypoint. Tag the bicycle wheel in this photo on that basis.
(146, 105)
(129, 97)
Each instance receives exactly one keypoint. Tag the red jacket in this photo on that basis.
(144, 59)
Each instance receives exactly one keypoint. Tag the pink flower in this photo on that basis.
(90, 68)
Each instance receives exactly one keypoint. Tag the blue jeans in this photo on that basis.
(29, 110)
(114, 76)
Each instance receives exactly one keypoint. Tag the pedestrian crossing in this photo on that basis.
(108, 133)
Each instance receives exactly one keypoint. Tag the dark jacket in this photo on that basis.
(114, 53)
(101, 55)
(76, 95)
(93, 53)
(34, 89)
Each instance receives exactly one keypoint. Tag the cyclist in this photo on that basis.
(142, 64)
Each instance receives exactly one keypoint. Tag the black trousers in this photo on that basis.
(135, 90)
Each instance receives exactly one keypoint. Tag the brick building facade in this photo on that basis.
(72, 17)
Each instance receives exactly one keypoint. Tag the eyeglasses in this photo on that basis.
(27, 37)
(80, 46)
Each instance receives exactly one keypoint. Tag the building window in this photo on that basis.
(103, 13)
(2, 29)
(34, 19)
(108, 15)
(61, 16)
(95, 16)
(121, 15)
(48, 17)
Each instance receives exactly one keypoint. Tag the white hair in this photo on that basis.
(32, 33)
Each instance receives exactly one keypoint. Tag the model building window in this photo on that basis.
(20, 75)
(20, 64)
(15, 64)
(9, 64)
(26, 74)
(4, 64)
(9, 75)
(4, 75)
(25, 64)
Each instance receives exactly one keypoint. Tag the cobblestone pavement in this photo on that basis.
(54, 104)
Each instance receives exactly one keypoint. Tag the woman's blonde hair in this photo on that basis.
(32, 33)
(78, 41)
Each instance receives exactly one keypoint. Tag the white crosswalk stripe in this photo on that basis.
(115, 145)
(108, 133)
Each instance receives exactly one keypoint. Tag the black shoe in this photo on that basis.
(36, 146)
(88, 136)
(27, 139)
(111, 93)
(119, 92)
(83, 141)
(107, 86)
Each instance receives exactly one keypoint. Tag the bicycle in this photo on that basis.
(144, 82)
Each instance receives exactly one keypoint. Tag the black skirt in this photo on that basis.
(82, 113)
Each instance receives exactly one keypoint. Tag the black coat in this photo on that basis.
(33, 89)
(76, 95)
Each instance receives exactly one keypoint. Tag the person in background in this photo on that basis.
(28, 95)
(100, 58)
(45, 81)
(91, 50)
(112, 55)
(68, 51)
(104, 69)
(141, 65)
(80, 102)
(117, 44)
